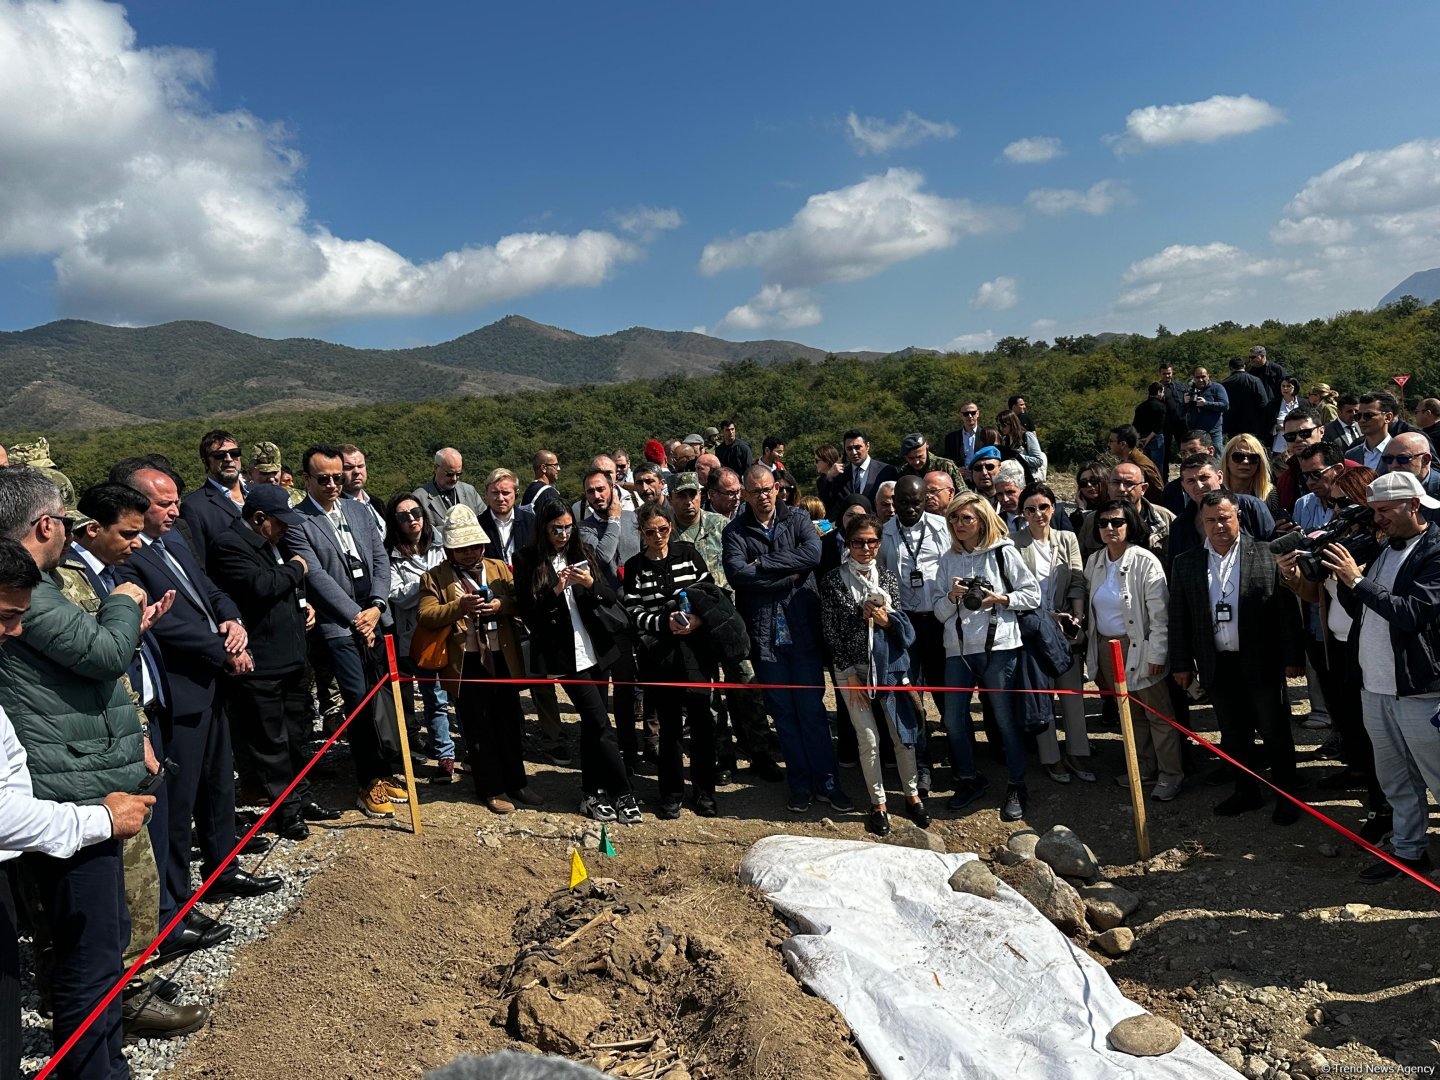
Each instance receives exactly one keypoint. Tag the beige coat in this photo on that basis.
(1146, 600)
(440, 594)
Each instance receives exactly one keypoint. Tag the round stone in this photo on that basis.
(1145, 1036)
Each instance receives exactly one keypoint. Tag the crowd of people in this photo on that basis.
(170, 655)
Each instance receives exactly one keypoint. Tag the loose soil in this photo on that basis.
(408, 951)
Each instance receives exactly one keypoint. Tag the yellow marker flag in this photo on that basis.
(578, 873)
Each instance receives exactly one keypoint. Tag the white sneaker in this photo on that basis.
(626, 812)
(597, 807)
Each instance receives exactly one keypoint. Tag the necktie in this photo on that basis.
(188, 586)
(107, 578)
(859, 481)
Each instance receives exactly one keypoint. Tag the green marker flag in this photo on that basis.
(606, 847)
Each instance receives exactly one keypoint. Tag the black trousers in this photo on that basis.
(271, 715)
(740, 720)
(1244, 710)
(9, 979)
(671, 706)
(203, 789)
(84, 900)
(494, 727)
(374, 739)
(626, 699)
(601, 766)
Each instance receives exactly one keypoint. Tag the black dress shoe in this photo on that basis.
(766, 769)
(241, 883)
(292, 829)
(917, 813)
(189, 939)
(258, 845)
(313, 811)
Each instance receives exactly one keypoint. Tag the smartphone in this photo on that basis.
(583, 565)
(682, 619)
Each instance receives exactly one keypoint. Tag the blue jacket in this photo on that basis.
(1210, 416)
(1412, 608)
(774, 572)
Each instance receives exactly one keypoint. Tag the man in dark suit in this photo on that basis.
(1249, 412)
(509, 527)
(211, 507)
(1379, 419)
(1343, 431)
(1235, 624)
(863, 474)
(348, 582)
(201, 639)
(1270, 374)
(269, 707)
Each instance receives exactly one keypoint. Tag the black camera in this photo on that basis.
(1353, 528)
(975, 590)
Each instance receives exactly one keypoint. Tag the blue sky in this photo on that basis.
(833, 173)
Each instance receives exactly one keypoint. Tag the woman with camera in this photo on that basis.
(1053, 556)
(987, 583)
(868, 636)
(672, 646)
(473, 599)
(573, 617)
(413, 548)
(1130, 603)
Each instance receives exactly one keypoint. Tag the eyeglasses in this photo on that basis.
(1303, 433)
(1400, 459)
(1126, 484)
(764, 491)
(220, 455)
(872, 542)
(561, 530)
(65, 522)
(1112, 523)
(1249, 459)
(329, 480)
(1316, 474)
(657, 532)
(1365, 416)
(453, 474)
(1089, 481)
(1037, 510)
(409, 515)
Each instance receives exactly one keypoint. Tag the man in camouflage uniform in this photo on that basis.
(919, 460)
(37, 455)
(267, 468)
(746, 708)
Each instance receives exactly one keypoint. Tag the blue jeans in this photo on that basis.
(1155, 451)
(434, 701)
(992, 671)
(801, 723)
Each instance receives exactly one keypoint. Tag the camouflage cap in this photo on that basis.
(32, 453)
(685, 481)
(265, 457)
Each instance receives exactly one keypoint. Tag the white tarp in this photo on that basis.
(939, 984)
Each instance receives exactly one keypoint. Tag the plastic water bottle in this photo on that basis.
(782, 627)
(683, 615)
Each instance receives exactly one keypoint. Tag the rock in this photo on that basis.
(1124, 899)
(975, 878)
(1022, 843)
(908, 834)
(1312, 1063)
(1144, 1036)
(1062, 850)
(1232, 1056)
(1005, 857)
(561, 1027)
(1102, 914)
(1315, 1015)
(1254, 1067)
(1116, 942)
(1330, 851)
(1353, 911)
(1057, 900)
(590, 840)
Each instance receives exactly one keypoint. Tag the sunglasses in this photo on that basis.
(561, 530)
(1367, 416)
(1316, 474)
(971, 412)
(409, 515)
(1400, 459)
(329, 480)
(1112, 523)
(663, 530)
(862, 543)
(453, 474)
(65, 522)
(1249, 459)
(1089, 481)
(220, 455)
(1303, 433)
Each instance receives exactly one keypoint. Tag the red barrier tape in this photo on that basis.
(96, 1012)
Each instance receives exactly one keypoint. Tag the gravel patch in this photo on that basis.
(202, 974)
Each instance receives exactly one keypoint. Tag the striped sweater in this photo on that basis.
(651, 585)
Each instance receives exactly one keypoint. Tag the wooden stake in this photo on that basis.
(397, 688)
(1132, 763)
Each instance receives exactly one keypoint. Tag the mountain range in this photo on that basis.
(71, 374)
(1423, 285)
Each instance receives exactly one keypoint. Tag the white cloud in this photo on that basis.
(1099, 198)
(156, 207)
(1041, 327)
(773, 307)
(996, 295)
(871, 135)
(980, 341)
(1401, 179)
(1198, 278)
(1033, 151)
(645, 222)
(855, 232)
(1205, 121)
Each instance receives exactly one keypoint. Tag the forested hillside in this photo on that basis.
(1075, 387)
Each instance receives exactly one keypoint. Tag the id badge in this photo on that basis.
(917, 579)
(1223, 612)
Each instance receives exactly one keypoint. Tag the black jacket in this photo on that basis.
(552, 640)
(1412, 608)
(1249, 410)
(720, 620)
(268, 596)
